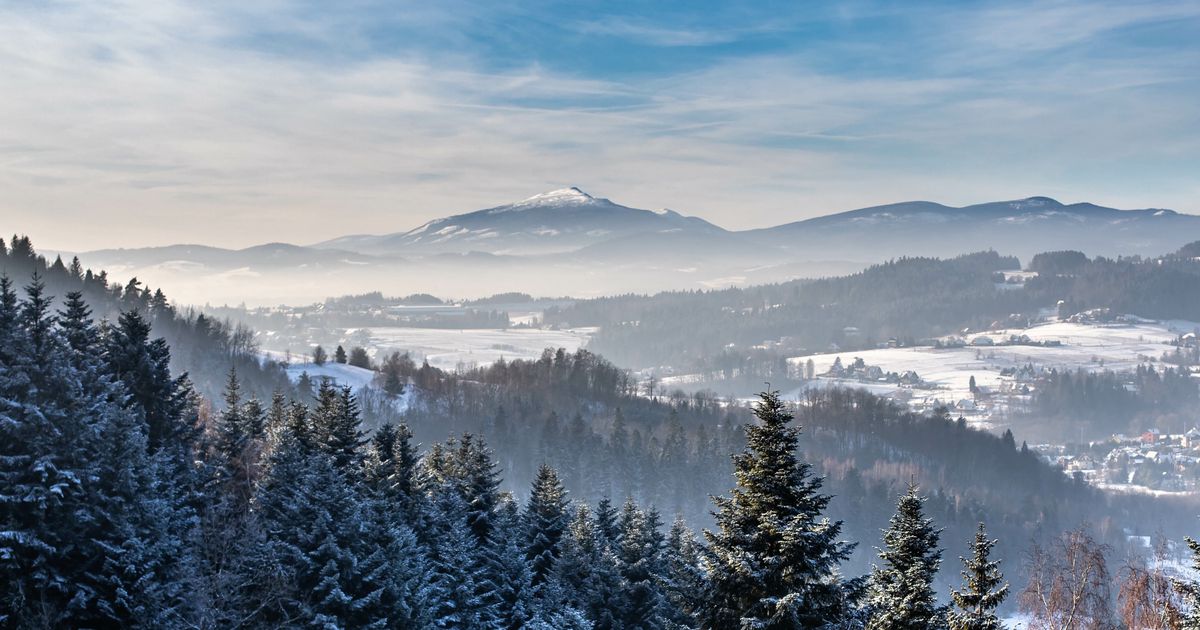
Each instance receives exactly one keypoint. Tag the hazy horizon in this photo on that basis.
(241, 125)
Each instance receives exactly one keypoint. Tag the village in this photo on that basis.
(992, 380)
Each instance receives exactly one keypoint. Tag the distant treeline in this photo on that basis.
(909, 300)
(202, 346)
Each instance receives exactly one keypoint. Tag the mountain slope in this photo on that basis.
(1022, 227)
(554, 222)
(567, 242)
(268, 255)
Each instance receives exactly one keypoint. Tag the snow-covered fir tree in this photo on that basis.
(900, 590)
(546, 520)
(773, 560)
(983, 589)
(588, 574)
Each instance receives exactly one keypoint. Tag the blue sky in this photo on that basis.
(232, 123)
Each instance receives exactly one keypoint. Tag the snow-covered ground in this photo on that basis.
(1117, 347)
(446, 348)
(342, 374)
(358, 379)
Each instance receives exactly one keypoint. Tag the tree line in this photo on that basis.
(127, 505)
(908, 300)
(202, 346)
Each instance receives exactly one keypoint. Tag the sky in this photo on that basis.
(149, 122)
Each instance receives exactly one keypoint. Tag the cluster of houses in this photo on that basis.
(858, 370)
(1153, 460)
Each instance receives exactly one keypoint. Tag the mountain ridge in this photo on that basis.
(568, 242)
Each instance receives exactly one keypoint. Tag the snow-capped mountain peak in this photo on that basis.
(562, 197)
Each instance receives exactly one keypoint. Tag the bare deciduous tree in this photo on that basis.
(1147, 599)
(1068, 585)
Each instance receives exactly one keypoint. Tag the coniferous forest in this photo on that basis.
(132, 499)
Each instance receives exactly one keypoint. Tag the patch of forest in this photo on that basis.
(202, 346)
(909, 300)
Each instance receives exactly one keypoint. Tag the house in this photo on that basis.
(983, 341)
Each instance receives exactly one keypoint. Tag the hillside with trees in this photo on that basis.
(907, 300)
(201, 346)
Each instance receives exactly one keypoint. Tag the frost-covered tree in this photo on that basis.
(642, 569)
(983, 588)
(900, 591)
(335, 426)
(458, 573)
(390, 470)
(684, 586)
(92, 527)
(546, 519)
(143, 365)
(587, 572)
(773, 560)
(508, 572)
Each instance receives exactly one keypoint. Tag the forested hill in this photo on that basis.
(126, 508)
(203, 347)
(588, 420)
(909, 299)
(906, 298)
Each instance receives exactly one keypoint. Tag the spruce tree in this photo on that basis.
(315, 526)
(900, 592)
(142, 365)
(685, 582)
(335, 426)
(391, 471)
(458, 573)
(508, 571)
(587, 573)
(642, 569)
(773, 561)
(545, 521)
(982, 591)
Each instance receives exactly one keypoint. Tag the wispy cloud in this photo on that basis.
(138, 122)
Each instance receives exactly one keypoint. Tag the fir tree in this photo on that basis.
(142, 364)
(588, 575)
(772, 563)
(982, 590)
(508, 571)
(458, 572)
(335, 426)
(900, 592)
(315, 527)
(390, 471)
(545, 521)
(606, 523)
(685, 581)
(640, 555)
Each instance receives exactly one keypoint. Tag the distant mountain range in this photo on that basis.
(556, 222)
(567, 242)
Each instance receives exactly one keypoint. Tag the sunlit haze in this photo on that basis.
(137, 123)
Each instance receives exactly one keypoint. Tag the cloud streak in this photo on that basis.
(154, 122)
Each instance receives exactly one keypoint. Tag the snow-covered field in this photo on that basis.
(345, 375)
(1115, 347)
(446, 348)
